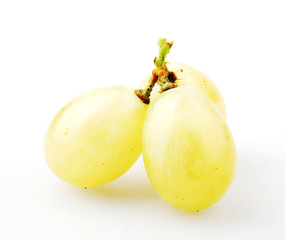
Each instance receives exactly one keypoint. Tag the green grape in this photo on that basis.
(96, 137)
(190, 77)
(188, 149)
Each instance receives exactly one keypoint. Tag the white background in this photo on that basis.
(52, 51)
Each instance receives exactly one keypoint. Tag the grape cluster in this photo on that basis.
(176, 120)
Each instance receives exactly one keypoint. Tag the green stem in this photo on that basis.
(159, 75)
(164, 48)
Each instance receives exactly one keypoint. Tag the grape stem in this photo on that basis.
(160, 75)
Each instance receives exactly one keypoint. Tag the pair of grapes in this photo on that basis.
(176, 119)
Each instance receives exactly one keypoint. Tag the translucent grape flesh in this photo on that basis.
(188, 149)
(96, 137)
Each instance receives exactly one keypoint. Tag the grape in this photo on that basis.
(188, 149)
(188, 76)
(96, 137)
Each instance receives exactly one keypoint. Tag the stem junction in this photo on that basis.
(160, 75)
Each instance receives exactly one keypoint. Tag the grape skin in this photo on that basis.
(190, 77)
(97, 137)
(188, 149)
